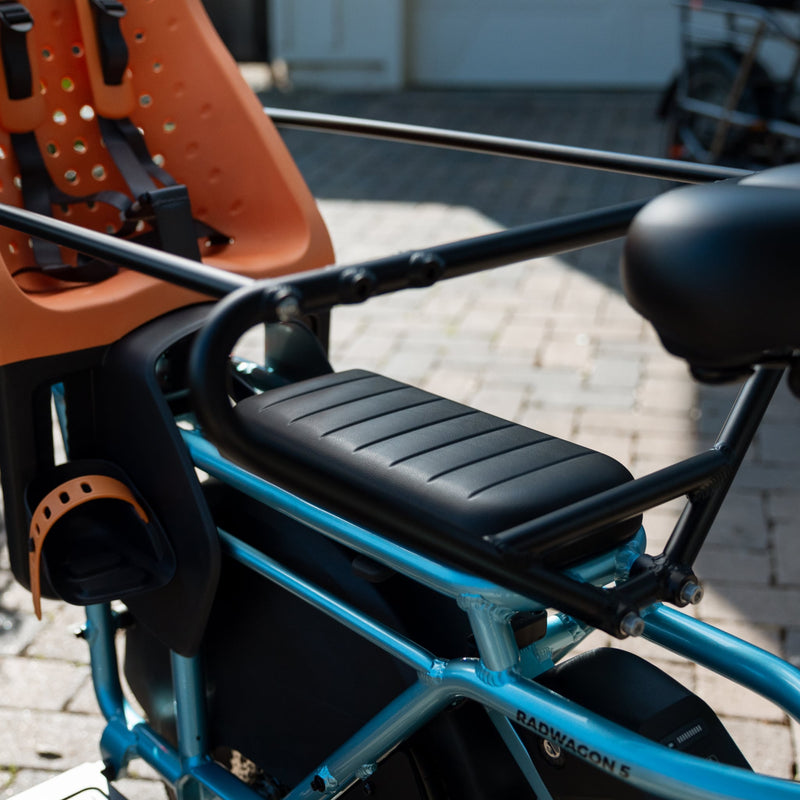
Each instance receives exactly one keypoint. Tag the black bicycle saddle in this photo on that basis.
(715, 269)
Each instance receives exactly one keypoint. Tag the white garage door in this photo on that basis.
(624, 43)
(342, 44)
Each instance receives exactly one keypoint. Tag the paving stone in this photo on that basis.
(780, 442)
(787, 554)
(730, 564)
(47, 740)
(615, 372)
(661, 395)
(729, 699)
(792, 645)
(614, 445)
(768, 747)
(761, 605)
(19, 780)
(134, 789)
(56, 639)
(83, 700)
(741, 522)
(44, 685)
(782, 506)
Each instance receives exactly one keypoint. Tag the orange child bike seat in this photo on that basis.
(201, 122)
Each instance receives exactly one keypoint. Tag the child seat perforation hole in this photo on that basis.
(77, 50)
(79, 146)
(86, 113)
(71, 176)
(157, 66)
(47, 53)
(138, 36)
(86, 488)
(47, 512)
(169, 125)
(67, 84)
(99, 172)
(52, 149)
(60, 117)
(145, 100)
(64, 497)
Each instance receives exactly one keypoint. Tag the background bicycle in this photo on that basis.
(733, 100)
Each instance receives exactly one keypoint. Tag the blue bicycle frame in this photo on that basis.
(501, 679)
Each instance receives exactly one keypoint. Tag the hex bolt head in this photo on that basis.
(691, 593)
(632, 624)
(287, 309)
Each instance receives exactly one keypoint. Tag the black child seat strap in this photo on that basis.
(15, 22)
(38, 190)
(167, 207)
(110, 41)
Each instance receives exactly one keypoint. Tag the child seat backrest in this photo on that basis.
(176, 84)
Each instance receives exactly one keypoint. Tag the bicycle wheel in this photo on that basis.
(709, 77)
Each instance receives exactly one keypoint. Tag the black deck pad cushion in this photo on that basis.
(391, 455)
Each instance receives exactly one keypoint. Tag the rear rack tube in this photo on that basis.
(564, 155)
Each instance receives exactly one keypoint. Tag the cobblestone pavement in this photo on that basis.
(549, 343)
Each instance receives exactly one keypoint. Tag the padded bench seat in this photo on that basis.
(392, 456)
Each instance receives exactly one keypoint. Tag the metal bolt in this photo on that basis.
(632, 624)
(691, 593)
(287, 309)
(551, 749)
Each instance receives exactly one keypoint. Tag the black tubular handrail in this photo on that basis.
(168, 267)
(322, 288)
(564, 155)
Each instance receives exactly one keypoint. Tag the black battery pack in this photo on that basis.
(633, 693)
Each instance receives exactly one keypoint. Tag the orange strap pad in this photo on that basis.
(60, 501)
